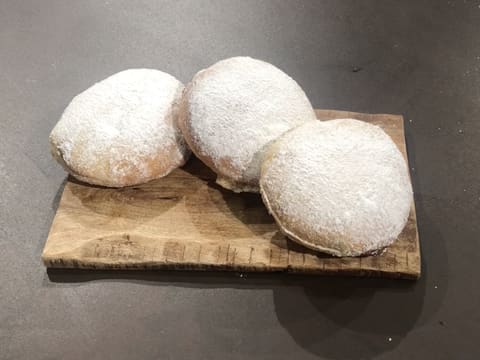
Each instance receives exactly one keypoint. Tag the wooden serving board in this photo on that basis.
(186, 221)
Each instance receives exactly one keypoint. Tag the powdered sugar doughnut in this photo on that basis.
(339, 186)
(233, 109)
(122, 130)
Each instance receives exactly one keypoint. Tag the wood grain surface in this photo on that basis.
(186, 221)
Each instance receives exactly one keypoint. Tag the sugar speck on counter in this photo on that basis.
(389, 339)
(436, 287)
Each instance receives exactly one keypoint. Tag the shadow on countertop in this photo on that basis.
(336, 317)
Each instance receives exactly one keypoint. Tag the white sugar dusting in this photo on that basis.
(236, 107)
(113, 128)
(343, 182)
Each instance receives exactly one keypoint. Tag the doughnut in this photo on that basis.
(340, 186)
(232, 110)
(123, 130)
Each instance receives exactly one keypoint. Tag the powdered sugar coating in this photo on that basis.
(122, 130)
(233, 109)
(339, 186)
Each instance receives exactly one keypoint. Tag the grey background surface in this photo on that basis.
(416, 58)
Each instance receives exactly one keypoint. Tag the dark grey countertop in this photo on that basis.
(416, 58)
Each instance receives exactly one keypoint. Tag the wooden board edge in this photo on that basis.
(73, 263)
(343, 113)
(54, 220)
(417, 264)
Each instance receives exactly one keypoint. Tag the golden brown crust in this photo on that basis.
(158, 166)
